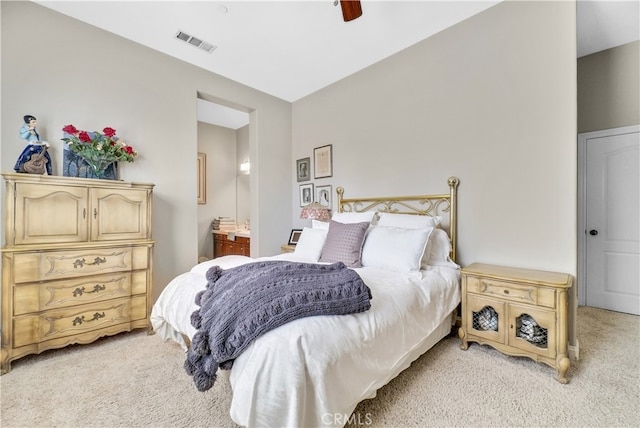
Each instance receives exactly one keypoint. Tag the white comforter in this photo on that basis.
(313, 372)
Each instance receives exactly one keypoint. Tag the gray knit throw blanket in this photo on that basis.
(241, 303)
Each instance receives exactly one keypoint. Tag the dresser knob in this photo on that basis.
(506, 291)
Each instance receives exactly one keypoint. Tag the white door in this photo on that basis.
(612, 219)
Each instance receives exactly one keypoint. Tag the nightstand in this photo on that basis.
(287, 248)
(520, 312)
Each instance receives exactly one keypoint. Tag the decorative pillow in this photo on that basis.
(353, 217)
(394, 248)
(344, 243)
(408, 221)
(310, 244)
(317, 224)
(440, 249)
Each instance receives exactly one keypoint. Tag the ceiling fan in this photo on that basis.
(351, 9)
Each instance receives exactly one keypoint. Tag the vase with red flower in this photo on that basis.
(100, 151)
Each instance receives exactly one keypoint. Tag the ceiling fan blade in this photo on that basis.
(351, 9)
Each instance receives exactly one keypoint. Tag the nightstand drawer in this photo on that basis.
(534, 295)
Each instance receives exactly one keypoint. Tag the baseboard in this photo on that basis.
(574, 351)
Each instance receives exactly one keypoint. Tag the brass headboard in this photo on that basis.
(443, 204)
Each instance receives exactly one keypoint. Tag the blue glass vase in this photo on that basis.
(76, 166)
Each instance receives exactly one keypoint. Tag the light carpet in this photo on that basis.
(136, 380)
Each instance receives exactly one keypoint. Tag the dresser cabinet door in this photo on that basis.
(46, 215)
(218, 246)
(119, 214)
(532, 329)
(486, 318)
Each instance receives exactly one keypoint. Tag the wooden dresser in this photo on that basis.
(77, 262)
(223, 246)
(520, 312)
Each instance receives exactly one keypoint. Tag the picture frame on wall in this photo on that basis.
(323, 161)
(202, 178)
(295, 236)
(306, 194)
(303, 169)
(323, 196)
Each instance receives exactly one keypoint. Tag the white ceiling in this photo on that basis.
(290, 49)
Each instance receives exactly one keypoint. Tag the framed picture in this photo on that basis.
(323, 196)
(306, 194)
(295, 236)
(202, 178)
(303, 168)
(323, 161)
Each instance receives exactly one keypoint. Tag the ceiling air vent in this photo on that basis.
(206, 46)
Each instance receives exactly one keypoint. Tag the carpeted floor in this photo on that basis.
(136, 380)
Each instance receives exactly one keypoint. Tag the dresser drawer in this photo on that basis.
(49, 265)
(30, 329)
(516, 292)
(35, 297)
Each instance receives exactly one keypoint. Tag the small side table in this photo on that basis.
(521, 312)
(287, 248)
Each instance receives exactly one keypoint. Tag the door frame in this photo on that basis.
(582, 201)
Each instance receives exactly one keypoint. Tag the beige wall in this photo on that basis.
(609, 88)
(64, 71)
(490, 100)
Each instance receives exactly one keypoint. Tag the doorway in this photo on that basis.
(609, 219)
(224, 138)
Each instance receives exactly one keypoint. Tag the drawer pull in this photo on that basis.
(84, 213)
(81, 290)
(81, 262)
(506, 291)
(80, 320)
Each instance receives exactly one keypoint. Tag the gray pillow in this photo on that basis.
(344, 243)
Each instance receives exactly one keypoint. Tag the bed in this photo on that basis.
(313, 371)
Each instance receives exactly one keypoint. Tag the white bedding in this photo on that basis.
(313, 372)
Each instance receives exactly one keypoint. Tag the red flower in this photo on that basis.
(70, 129)
(128, 149)
(109, 132)
(84, 137)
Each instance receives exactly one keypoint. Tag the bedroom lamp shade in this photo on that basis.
(315, 211)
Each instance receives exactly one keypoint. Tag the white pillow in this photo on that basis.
(395, 248)
(317, 224)
(351, 217)
(310, 244)
(408, 221)
(412, 221)
(440, 249)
